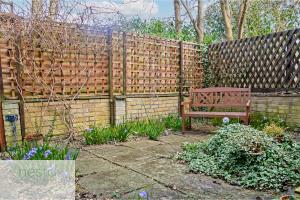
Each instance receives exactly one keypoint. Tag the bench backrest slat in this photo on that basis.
(220, 97)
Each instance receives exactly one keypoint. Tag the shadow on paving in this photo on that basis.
(122, 171)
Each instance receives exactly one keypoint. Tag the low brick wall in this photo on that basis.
(285, 106)
(85, 113)
(39, 116)
(150, 107)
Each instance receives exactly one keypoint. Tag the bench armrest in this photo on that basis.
(248, 103)
(185, 103)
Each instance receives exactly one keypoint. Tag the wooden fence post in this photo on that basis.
(110, 78)
(2, 130)
(125, 72)
(124, 65)
(19, 85)
(181, 77)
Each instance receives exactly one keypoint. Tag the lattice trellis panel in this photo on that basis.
(193, 69)
(152, 64)
(78, 63)
(265, 63)
(8, 68)
(117, 63)
(66, 71)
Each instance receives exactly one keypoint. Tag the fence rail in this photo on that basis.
(268, 63)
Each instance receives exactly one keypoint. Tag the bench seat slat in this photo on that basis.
(216, 114)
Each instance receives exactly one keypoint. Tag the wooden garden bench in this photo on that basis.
(218, 97)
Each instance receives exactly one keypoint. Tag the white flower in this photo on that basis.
(226, 120)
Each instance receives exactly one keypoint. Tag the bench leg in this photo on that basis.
(190, 123)
(246, 121)
(183, 124)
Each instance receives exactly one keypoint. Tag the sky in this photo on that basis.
(143, 8)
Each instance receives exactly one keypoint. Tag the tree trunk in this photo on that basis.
(227, 18)
(241, 19)
(200, 21)
(37, 8)
(177, 16)
(53, 8)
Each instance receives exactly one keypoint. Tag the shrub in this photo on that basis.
(139, 127)
(173, 122)
(98, 135)
(118, 133)
(28, 151)
(274, 130)
(260, 121)
(121, 132)
(154, 129)
(245, 156)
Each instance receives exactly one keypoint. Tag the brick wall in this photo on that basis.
(285, 106)
(85, 113)
(39, 116)
(143, 107)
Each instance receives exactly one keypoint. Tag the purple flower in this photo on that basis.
(68, 156)
(143, 195)
(30, 154)
(47, 153)
(9, 158)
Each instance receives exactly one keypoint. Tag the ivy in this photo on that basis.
(244, 156)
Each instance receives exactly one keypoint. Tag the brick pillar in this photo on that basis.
(120, 109)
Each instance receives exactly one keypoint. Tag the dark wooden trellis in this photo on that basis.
(268, 63)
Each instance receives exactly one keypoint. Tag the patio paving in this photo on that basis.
(122, 171)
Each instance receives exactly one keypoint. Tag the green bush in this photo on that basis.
(260, 121)
(121, 132)
(245, 156)
(139, 127)
(154, 129)
(98, 135)
(274, 130)
(173, 122)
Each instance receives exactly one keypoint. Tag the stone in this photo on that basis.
(297, 190)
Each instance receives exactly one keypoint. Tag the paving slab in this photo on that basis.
(163, 150)
(178, 176)
(157, 191)
(179, 139)
(114, 180)
(122, 171)
(141, 144)
(92, 164)
(107, 150)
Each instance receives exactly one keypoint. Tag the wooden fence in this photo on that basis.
(268, 63)
(112, 64)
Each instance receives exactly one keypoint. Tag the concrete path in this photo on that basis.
(122, 171)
